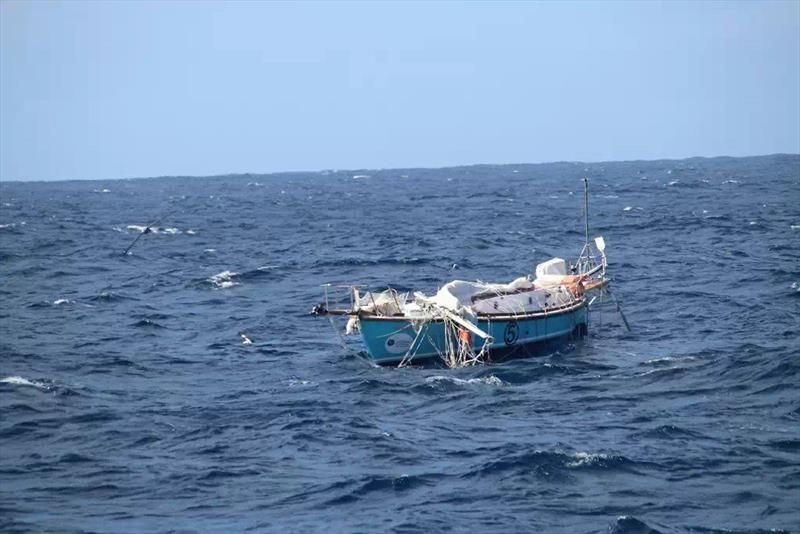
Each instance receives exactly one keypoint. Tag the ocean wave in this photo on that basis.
(136, 228)
(109, 296)
(554, 465)
(630, 525)
(224, 280)
(669, 360)
(366, 486)
(490, 380)
(146, 323)
(20, 381)
(668, 432)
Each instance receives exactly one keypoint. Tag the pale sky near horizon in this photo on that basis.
(113, 89)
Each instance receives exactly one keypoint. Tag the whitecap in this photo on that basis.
(58, 302)
(153, 229)
(209, 250)
(490, 380)
(627, 208)
(191, 232)
(359, 176)
(795, 226)
(298, 382)
(673, 182)
(19, 381)
(224, 280)
(9, 225)
(667, 359)
(730, 181)
(586, 458)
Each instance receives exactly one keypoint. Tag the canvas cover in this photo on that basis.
(550, 272)
(461, 296)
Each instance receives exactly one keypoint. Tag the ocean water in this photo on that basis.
(129, 402)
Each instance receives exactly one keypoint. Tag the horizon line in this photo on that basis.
(383, 169)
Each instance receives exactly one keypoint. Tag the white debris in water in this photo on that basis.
(191, 232)
(19, 381)
(224, 280)
(795, 227)
(209, 250)
(627, 208)
(246, 340)
(673, 182)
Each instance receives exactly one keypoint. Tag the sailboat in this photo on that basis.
(470, 322)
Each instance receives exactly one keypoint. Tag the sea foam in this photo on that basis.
(19, 381)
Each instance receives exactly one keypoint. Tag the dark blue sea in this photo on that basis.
(129, 403)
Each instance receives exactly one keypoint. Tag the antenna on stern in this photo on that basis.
(587, 260)
(586, 210)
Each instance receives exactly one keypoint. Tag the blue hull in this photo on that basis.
(388, 339)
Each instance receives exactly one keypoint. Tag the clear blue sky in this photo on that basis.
(123, 89)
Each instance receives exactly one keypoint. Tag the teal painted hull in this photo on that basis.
(387, 340)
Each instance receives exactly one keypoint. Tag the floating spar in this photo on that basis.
(147, 230)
